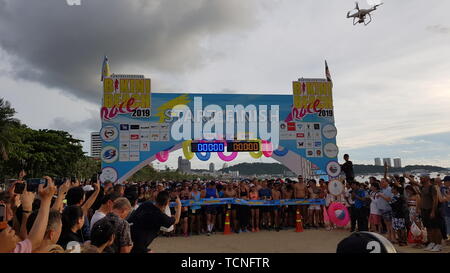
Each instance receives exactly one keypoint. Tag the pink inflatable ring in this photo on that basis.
(338, 214)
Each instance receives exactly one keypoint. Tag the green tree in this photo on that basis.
(7, 122)
(43, 152)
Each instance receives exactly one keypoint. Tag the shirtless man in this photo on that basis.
(301, 192)
(314, 210)
(288, 193)
(323, 194)
(159, 188)
(230, 192)
(258, 184)
(276, 195)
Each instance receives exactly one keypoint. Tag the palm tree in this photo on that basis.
(6, 123)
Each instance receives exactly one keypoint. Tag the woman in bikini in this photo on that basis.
(195, 210)
(255, 210)
(243, 210)
(413, 202)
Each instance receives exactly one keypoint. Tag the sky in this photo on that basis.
(391, 78)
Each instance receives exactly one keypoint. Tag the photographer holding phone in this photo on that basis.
(147, 220)
(8, 236)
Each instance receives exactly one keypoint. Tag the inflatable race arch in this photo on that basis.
(140, 126)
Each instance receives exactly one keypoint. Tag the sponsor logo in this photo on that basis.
(124, 146)
(145, 146)
(109, 154)
(134, 156)
(108, 174)
(333, 169)
(124, 156)
(109, 133)
(134, 137)
(318, 152)
(134, 146)
(124, 127)
(291, 126)
(134, 127)
(330, 150)
(329, 131)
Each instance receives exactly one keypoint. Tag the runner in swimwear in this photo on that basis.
(301, 192)
(243, 210)
(255, 210)
(185, 195)
(195, 210)
(314, 210)
(288, 193)
(276, 195)
(230, 192)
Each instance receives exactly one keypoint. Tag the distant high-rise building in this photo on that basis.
(211, 167)
(397, 163)
(378, 162)
(387, 161)
(96, 144)
(184, 165)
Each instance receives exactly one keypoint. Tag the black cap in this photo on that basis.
(447, 178)
(365, 242)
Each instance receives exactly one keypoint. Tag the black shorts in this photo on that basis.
(266, 208)
(184, 214)
(211, 209)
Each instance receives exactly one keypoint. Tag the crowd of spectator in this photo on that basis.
(93, 217)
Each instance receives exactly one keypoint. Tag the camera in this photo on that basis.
(33, 184)
(59, 181)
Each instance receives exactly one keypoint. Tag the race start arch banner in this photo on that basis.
(139, 126)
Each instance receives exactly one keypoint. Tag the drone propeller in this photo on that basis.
(357, 6)
(376, 6)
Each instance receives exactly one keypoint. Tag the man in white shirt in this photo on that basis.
(385, 208)
(105, 208)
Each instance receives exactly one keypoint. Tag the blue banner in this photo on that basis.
(237, 201)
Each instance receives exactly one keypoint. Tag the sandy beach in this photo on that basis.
(285, 241)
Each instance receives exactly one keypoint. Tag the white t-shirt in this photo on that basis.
(97, 216)
(348, 196)
(374, 205)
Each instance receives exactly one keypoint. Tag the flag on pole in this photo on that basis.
(327, 72)
(105, 68)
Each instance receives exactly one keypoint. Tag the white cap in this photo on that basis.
(88, 188)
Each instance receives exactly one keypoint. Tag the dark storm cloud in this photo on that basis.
(91, 124)
(62, 46)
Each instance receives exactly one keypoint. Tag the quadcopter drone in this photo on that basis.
(359, 15)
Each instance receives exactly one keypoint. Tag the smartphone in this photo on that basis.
(3, 221)
(19, 188)
(94, 179)
(33, 183)
(59, 181)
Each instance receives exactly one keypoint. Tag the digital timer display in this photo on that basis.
(207, 147)
(243, 146)
(232, 146)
